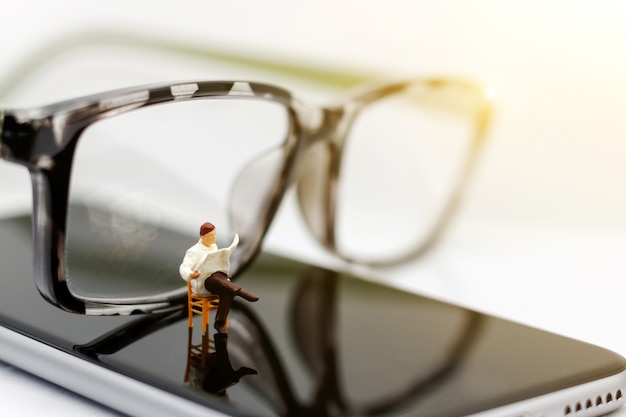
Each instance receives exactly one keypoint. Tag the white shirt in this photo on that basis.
(206, 260)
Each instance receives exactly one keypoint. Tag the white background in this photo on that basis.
(541, 237)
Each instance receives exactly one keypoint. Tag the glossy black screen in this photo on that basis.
(317, 343)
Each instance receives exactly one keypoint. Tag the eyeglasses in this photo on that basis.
(119, 200)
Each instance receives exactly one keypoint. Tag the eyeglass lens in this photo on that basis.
(165, 167)
(402, 160)
(398, 172)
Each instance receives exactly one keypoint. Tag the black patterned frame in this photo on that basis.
(44, 140)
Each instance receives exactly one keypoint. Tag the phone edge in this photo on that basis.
(140, 399)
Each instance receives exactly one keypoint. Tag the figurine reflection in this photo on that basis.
(208, 365)
(206, 268)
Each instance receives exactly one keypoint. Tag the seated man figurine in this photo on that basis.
(206, 267)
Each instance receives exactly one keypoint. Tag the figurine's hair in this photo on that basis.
(206, 228)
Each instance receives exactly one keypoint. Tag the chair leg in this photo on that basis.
(189, 304)
(205, 315)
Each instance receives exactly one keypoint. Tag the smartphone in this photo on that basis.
(318, 343)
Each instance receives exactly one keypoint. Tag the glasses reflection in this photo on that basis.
(253, 362)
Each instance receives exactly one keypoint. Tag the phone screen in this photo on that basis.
(318, 342)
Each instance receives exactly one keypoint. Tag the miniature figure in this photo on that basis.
(206, 268)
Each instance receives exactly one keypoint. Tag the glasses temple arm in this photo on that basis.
(48, 52)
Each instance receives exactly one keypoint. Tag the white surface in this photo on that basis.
(542, 236)
(24, 395)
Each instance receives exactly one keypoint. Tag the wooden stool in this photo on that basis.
(201, 305)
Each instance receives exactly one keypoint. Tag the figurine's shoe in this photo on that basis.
(247, 295)
(243, 371)
(220, 326)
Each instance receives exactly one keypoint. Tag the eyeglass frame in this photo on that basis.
(44, 140)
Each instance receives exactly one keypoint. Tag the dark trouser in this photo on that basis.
(219, 284)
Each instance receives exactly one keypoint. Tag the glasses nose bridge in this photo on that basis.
(326, 128)
(317, 170)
